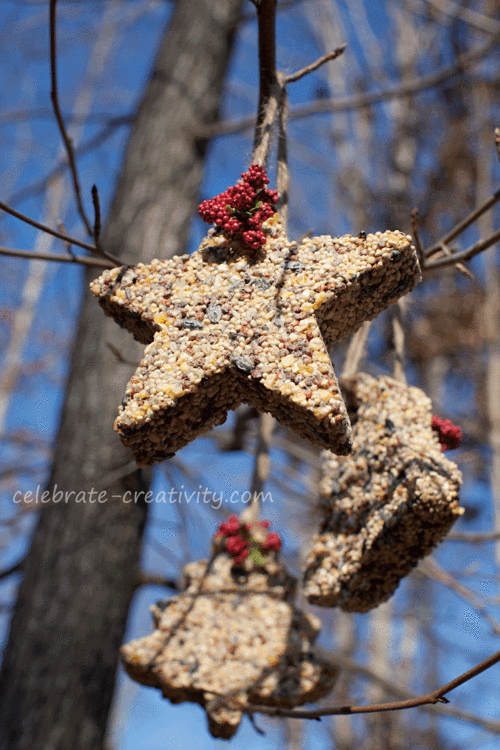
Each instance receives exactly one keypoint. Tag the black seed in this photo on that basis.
(192, 324)
(262, 284)
(389, 425)
(195, 666)
(243, 364)
(293, 265)
(362, 235)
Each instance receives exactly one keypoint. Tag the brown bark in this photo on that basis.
(58, 672)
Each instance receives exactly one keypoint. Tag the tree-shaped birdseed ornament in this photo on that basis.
(232, 638)
(386, 505)
(248, 318)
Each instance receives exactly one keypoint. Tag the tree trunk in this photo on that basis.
(58, 672)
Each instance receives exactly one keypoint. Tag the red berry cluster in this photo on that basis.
(241, 209)
(449, 434)
(241, 540)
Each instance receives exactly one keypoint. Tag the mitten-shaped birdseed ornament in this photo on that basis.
(248, 318)
(385, 506)
(232, 638)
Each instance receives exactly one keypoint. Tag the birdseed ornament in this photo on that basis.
(248, 318)
(386, 505)
(231, 639)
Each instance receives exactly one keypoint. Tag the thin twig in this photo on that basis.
(62, 229)
(478, 247)
(437, 696)
(340, 661)
(283, 177)
(59, 235)
(459, 266)
(57, 111)
(461, 226)
(81, 259)
(97, 215)
(416, 236)
(315, 65)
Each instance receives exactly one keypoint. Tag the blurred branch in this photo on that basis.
(44, 113)
(473, 538)
(437, 696)
(58, 258)
(315, 65)
(35, 188)
(57, 111)
(472, 17)
(461, 226)
(478, 247)
(459, 266)
(356, 350)
(358, 101)
(430, 568)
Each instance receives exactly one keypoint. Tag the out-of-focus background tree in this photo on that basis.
(404, 118)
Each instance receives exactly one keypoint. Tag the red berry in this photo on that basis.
(449, 434)
(235, 545)
(273, 542)
(229, 527)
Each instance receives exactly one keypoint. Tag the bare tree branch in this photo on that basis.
(57, 111)
(97, 215)
(59, 235)
(473, 538)
(437, 696)
(430, 568)
(315, 65)
(470, 16)
(358, 101)
(81, 259)
(461, 226)
(478, 247)
(35, 188)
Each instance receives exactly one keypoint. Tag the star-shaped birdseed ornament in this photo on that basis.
(232, 638)
(386, 505)
(234, 323)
